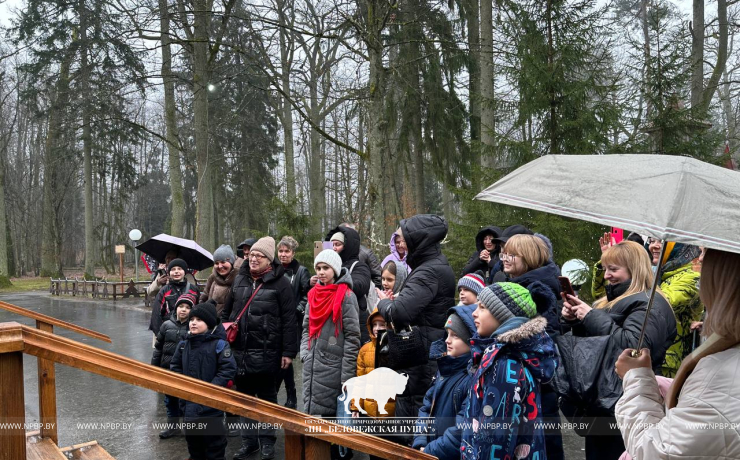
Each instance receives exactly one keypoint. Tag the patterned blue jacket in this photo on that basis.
(503, 412)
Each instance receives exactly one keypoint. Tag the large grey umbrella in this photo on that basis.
(188, 250)
(668, 197)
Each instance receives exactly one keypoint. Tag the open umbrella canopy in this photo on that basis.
(188, 250)
(668, 197)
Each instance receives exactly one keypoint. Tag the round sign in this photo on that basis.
(576, 270)
(135, 234)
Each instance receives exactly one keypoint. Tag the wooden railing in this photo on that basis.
(47, 373)
(104, 289)
(306, 437)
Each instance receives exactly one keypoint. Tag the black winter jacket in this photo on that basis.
(424, 299)
(267, 331)
(164, 304)
(204, 357)
(368, 257)
(170, 334)
(361, 275)
(474, 263)
(300, 282)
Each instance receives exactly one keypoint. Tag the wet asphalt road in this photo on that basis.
(117, 415)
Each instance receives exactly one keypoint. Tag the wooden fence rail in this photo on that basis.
(104, 289)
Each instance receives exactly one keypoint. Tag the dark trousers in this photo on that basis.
(287, 376)
(261, 386)
(551, 414)
(172, 404)
(207, 443)
(364, 333)
(604, 442)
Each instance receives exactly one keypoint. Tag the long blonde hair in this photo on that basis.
(635, 259)
(720, 292)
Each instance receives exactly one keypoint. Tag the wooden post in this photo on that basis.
(12, 407)
(47, 392)
(294, 445)
(120, 265)
(316, 449)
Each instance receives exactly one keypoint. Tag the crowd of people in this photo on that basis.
(497, 346)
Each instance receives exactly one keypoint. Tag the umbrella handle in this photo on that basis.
(656, 281)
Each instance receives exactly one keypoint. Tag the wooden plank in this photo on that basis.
(12, 408)
(53, 321)
(87, 451)
(111, 365)
(318, 449)
(43, 449)
(47, 392)
(294, 446)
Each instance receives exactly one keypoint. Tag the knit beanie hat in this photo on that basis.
(472, 282)
(177, 263)
(206, 312)
(225, 254)
(187, 298)
(266, 246)
(456, 325)
(508, 300)
(330, 258)
(339, 236)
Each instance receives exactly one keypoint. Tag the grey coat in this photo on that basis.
(331, 360)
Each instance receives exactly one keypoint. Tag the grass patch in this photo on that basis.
(26, 284)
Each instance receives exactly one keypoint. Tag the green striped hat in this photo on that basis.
(507, 300)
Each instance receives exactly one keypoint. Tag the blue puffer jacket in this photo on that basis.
(503, 408)
(204, 357)
(446, 396)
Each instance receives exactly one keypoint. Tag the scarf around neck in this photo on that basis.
(259, 274)
(325, 300)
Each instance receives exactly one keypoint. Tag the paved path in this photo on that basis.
(121, 416)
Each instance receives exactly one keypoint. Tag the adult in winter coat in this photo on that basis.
(226, 267)
(266, 341)
(513, 356)
(399, 251)
(165, 302)
(697, 423)
(620, 316)
(346, 243)
(368, 257)
(331, 336)
(679, 283)
(445, 398)
(300, 281)
(486, 252)
(424, 300)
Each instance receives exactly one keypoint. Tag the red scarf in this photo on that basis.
(257, 275)
(324, 301)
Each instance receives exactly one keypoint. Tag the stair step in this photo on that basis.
(38, 448)
(87, 451)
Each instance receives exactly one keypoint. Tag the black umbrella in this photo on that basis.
(191, 252)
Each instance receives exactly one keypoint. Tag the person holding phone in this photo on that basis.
(486, 252)
(620, 315)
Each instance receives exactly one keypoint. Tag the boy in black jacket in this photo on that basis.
(172, 332)
(205, 355)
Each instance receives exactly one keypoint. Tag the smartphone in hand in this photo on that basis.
(617, 235)
(565, 286)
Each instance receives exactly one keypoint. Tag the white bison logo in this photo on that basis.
(380, 384)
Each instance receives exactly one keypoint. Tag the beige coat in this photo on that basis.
(699, 427)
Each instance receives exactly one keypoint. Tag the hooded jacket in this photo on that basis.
(368, 257)
(267, 331)
(503, 413)
(423, 301)
(300, 282)
(445, 398)
(170, 334)
(474, 263)
(330, 360)
(394, 256)
(548, 276)
(166, 301)
(204, 357)
(697, 428)
(361, 275)
(218, 287)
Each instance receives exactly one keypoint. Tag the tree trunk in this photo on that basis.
(474, 69)
(719, 66)
(554, 150)
(286, 117)
(204, 210)
(4, 272)
(487, 112)
(87, 145)
(173, 146)
(697, 54)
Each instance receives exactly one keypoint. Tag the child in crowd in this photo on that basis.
(449, 388)
(513, 355)
(166, 300)
(172, 332)
(392, 278)
(368, 360)
(205, 355)
(469, 287)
